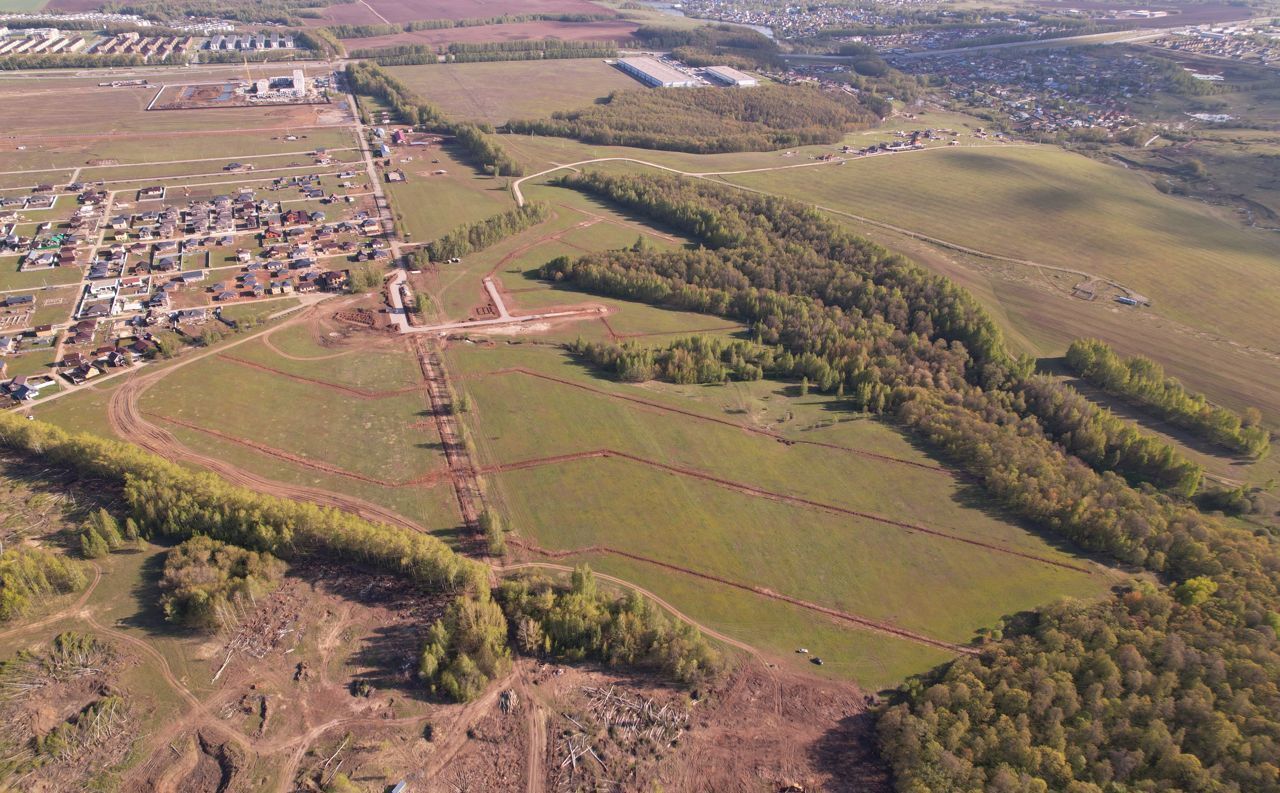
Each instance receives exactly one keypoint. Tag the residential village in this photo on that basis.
(1244, 42)
(1052, 91)
(160, 259)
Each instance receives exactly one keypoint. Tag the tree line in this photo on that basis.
(1143, 381)
(543, 49)
(709, 120)
(746, 48)
(1170, 685)
(390, 29)
(80, 60)
(170, 501)
(273, 12)
(695, 360)
(478, 142)
(582, 621)
(481, 234)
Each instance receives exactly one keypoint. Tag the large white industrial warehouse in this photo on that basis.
(654, 72)
(729, 76)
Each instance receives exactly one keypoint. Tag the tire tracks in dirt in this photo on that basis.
(712, 419)
(879, 626)
(757, 492)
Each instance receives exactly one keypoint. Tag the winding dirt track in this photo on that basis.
(712, 419)
(879, 626)
(757, 492)
(266, 340)
(128, 423)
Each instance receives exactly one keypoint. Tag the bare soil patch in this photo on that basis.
(756, 730)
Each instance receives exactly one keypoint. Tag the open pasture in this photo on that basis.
(379, 437)
(828, 524)
(1062, 209)
(500, 91)
(431, 204)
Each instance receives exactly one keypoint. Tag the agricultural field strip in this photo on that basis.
(879, 626)
(77, 170)
(127, 421)
(320, 170)
(702, 417)
(425, 480)
(751, 490)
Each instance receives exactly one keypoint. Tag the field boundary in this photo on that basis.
(879, 626)
(757, 492)
(701, 417)
(349, 390)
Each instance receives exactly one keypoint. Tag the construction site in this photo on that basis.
(294, 88)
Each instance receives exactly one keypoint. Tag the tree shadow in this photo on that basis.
(847, 752)
(386, 657)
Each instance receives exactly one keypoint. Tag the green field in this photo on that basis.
(942, 587)
(370, 437)
(501, 91)
(124, 149)
(1058, 208)
(428, 206)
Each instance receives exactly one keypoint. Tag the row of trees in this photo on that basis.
(709, 120)
(83, 61)
(273, 12)
(1143, 381)
(171, 501)
(371, 80)
(1106, 442)
(694, 360)
(544, 49)
(480, 234)
(390, 29)
(205, 580)
(1156, 687)
(582, 621)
